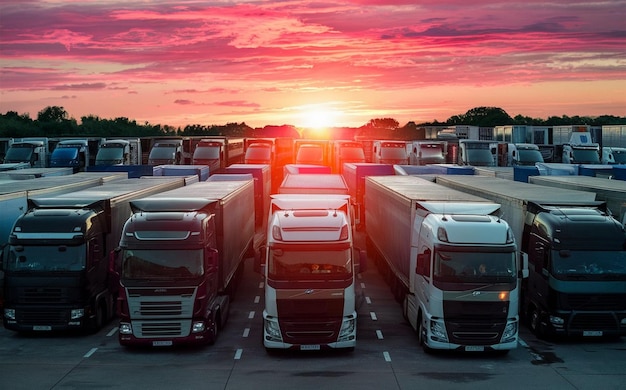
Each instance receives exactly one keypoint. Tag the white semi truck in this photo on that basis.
(310, 266)
(448, 259)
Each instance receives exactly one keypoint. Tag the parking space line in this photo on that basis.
(246, 332)
(261, 285)
(387, 356)
(257, 299)
(112, 332)
(368, 300)
(91, 352)
(373, 316)
(251, 315)
(379, 334)
(238, 354)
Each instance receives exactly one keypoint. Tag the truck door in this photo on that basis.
(539, 263)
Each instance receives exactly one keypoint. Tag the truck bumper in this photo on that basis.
(130, 335)
(46, 319)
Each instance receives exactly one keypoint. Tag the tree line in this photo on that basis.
(54, 121)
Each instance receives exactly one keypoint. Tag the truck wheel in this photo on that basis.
(215, 328)
(535, 322)
(421, 334)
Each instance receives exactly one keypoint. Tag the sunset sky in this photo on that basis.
(311, 63)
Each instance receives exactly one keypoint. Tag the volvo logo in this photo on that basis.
(160, 290)
(475, 293)
(309, 291)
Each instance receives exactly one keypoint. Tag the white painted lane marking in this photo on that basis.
(257, 299)
(373, 316)
(91, 352)
(387, 356)
(362, 285)
(238, 354)
(246, 332)
(251, 315)
(368, 300)
(261, 285)
(112, 332)
(379, 334)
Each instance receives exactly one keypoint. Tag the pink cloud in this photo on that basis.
(278, 54)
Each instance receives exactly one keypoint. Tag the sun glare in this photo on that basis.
(318, 118)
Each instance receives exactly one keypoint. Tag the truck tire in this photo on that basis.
(534, 322)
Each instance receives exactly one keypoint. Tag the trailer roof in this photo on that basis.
(110, 191)
(309, 201)
(588, 182)
(47, 182)
(420, 189)
(518, 190)
(207, 189)
(314, 181)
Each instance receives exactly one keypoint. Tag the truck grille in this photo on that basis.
(593, 321)
(475, 323)
(38, 295)
(155, 329)
(310, 332)
(42, 316)
(161, 312)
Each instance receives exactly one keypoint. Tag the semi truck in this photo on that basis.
(180, 258)
(166, 151)
(218, 153)
(476, 153)
(33, 151)
(344, 151)
(390, 152)
(575, 251)
(310, 266)
(427, 152)
(56, 262)
(448, 259)
(119, 152)
(72, 153)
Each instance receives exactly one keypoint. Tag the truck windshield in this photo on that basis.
(64, 153)
(162, 264)
(46, 258)
(586, 156)
(18, 154)
(207, 152)
(529, 157)
(109, 155)
(353, 153)
(393, 153)
(591, 264)
(474, 266)
(162, 152)
(480, 157)
(309, 264)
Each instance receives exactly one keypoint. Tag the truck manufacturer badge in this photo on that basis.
(475, 293)
(310, 291)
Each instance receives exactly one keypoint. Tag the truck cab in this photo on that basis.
(523, 154)
(165, 152)
(390, 152)
(71, 153)
(33, 151)
(427, 152)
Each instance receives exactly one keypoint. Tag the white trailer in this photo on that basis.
(448, 259)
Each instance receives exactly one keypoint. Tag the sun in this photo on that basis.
(318, 118)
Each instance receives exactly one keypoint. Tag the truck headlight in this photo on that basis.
(438, 331)
(347, 329)
(76, 314)
(197, 327)
(510, 332)
(9, 314)
(557, 322)
(125, 328)
(272, 330)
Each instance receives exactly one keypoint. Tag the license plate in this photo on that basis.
(42, 327)
(314, 347)
(162, 343)
(592, 333)
(474, 348)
